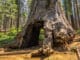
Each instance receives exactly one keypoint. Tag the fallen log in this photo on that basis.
(15, 52)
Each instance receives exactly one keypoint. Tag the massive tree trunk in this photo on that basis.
(49, 15)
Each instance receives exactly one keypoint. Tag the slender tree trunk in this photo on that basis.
(77, 8)
(77, 16)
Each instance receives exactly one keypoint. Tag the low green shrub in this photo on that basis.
(6, 38)
(41, 36)
(78, 31)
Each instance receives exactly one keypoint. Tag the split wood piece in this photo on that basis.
(41, 52)
(15, 52)
(77, 38)
(78, 52)
(2, 50)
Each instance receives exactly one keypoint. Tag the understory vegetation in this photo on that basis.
(78, 31)
(8, 36)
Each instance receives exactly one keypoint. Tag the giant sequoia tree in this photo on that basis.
(49, 15)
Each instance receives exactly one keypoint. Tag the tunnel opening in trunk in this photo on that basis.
(31, 37)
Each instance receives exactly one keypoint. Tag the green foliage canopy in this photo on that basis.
(8, 8)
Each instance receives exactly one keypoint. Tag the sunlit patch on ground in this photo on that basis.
(55, 56)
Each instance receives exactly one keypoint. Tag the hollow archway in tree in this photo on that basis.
(31, 37)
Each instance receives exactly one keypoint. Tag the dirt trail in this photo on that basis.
(55, 56)
(62, 56)
(17, 57)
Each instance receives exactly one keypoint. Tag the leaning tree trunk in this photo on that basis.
(49, 15)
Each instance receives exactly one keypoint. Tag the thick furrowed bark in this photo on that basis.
(56, 26)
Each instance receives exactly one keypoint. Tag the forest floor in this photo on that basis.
(55, 56)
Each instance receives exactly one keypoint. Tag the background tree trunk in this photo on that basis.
(49, 15)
